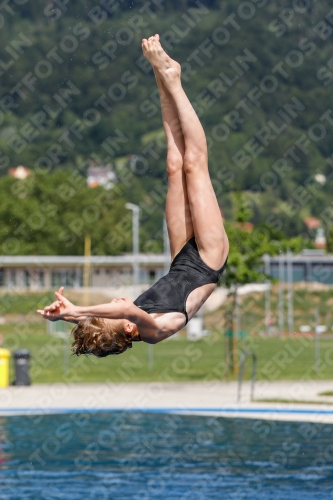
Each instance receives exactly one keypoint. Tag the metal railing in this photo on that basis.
(241, 371)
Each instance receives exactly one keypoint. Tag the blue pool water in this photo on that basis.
(114, 455)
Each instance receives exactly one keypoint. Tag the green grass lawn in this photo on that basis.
(173, 360)
(24, 303)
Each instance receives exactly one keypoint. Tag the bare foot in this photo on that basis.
(163, 65)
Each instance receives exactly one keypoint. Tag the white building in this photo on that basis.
(101, 176)
(45, 272)
(309, 266)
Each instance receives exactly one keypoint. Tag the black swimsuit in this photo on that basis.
(187, 272)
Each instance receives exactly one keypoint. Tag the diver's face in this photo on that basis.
(122, 300)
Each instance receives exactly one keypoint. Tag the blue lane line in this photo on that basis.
(168, 410)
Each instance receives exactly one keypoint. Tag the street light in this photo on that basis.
(135, 239)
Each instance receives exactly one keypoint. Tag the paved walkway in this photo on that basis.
(209, 398)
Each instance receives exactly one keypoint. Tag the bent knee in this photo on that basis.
(174, 163)
(195, 161)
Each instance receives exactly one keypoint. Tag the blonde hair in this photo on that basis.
(99, 337)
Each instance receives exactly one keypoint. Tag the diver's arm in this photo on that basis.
(153, 330)
(117, 309)
(146, 324)
(65, 310)
(149, 329)
(55, 315)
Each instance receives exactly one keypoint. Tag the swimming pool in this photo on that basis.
(143, 456)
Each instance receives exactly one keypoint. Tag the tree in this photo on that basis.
(329, 239)
(50, 214)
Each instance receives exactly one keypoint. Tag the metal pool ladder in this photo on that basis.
(241, 371)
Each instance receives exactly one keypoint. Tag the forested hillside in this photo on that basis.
(75, 88)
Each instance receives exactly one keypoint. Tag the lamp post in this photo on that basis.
(135, 239)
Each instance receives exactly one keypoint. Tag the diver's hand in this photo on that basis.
(59, 309)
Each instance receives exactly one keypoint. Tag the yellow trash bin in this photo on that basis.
(4, 367)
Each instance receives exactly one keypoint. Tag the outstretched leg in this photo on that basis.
(178, 214)
(205, 212)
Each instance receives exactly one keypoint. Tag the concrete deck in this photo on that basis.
(200, 398)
